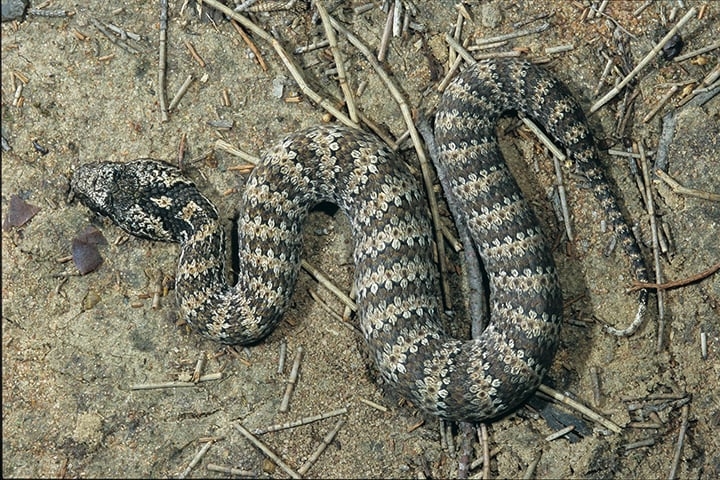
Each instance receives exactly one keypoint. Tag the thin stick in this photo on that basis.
(443, 434)
(385, 39)
(477, 308)
(459, 49)
(180, 93)
(292, 380)
(266, 450)
(302, 421)
(697, 52)
(449, 74)
(321, 448)
(454, 242)
(622, 153)
(560, 433)
(647, 442)
(196, 459)
(559, 49)
(162, 64)
(415, 426)
(481, 460)
(530, 471)
(520, 33)
(182, 149)
(397, 18)
(324, 305)
(468, 57)
(603, 76)
(124, 34)
(660, 103)
(595, 379)
(325, 282)
(558, 157)
(112, 37)
(424, 164)
(678, 188)
(155, 386)
(680, 442)
(701, 95)
(286, 59)
(645, 425)
(486, 46)
(193, 53)
(199, 367)
(710, 80)
(233, 150)
(157, 290)
(231, 470)
(372, 404)
(675, 283)
(615, 22)
(655, 244)
(281, 358)
(251, 45)
(611, 94)
(313, 46)
(642, 7)
(580, 408)
(456, 33)
(337, 55)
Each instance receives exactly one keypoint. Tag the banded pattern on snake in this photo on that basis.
(395, 278)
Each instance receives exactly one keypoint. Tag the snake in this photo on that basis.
(395, 277)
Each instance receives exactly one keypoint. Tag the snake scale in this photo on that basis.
(395, 277)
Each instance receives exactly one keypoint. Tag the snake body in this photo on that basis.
(395, 278)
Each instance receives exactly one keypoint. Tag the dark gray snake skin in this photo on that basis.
(395, 278)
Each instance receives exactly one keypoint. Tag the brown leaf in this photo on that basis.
(18, 213)
(85, 253)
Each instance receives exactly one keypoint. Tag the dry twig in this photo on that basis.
(251, 45)
(292, 381)
(692, 192)
(337, 55)
(580, 408)
(327, 439)
(196, 459)
(162, 63)
(302, 421)
(675, 283)
(267, 451)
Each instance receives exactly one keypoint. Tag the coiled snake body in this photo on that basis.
(395, 278)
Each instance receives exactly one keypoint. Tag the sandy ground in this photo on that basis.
(74, 345)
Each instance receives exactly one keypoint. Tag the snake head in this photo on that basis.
(96, 186)
(146, 198)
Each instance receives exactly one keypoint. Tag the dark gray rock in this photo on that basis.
(13, 9)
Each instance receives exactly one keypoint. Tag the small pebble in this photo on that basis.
(673, 47)
(13, 9)
(278, 86)
(490, 15)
